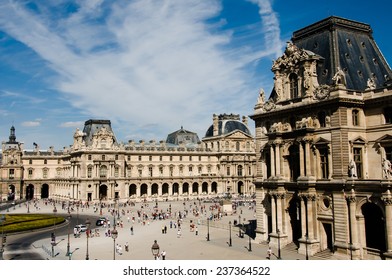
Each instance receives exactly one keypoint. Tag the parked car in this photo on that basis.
(80, 228)
(100, 221)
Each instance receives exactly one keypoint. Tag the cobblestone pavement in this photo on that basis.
(188, 246)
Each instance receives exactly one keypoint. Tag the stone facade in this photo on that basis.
(324, 146)
(96, 167)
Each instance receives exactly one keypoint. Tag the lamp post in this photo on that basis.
(230, 243)
(27, 200)
(69, 221)
(155, 249)
(88, 223)
(70, 253)
(278, 231)
(114, 236)
(306, 247)
(208, 229)
(53, 235)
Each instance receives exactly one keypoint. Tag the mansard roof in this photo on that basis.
(93, 126)
(346, 44)
(182, 136)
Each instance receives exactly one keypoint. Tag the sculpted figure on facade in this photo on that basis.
(386, 168)
(352, 169)
(278, 86)
(370, 84)
(339, 78)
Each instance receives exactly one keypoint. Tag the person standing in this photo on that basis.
(163, 254)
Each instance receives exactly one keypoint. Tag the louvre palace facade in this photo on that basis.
(96, 167)
(324, 144)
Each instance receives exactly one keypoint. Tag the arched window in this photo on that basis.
(293, 86)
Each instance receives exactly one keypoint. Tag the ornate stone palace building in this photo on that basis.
(96, 167)
(324, 144)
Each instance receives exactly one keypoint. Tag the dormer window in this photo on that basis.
(293, 86)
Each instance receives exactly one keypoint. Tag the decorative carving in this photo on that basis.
(304, 123)
(261, 99)
(322, 92)
(269, 105)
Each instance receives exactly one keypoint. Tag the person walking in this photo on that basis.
(269, 253)
(163, 255)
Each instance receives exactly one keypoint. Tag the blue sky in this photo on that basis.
(150, 66)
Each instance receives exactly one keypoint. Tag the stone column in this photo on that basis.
(272, 155)
(273, 213)
(353, 220)
(277, 158)
(301, 160)
(279, 212)
(307, 159)
(388, 218)
(310, 212)
(303, 216)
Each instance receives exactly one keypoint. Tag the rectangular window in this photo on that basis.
(161, 171)
(89, 172)
(140, 172)
(116, 157)
(140, 158)
(171, 170)
(150, 171)
(129, 158)
(228, 171)
(45, 173)
(89, 157)
(30, 173)
(11, 174)
(116, 171)
(324, 163)
(355, 115)
(358, 161)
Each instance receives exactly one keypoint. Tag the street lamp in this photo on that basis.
(306, 247)
(114, 236)
(278, 231)
(53, 236)
(27, 200)
(88, 223)
(69, 221)
(155, 249)
(208, 229)
(70, 253)
(230, 244)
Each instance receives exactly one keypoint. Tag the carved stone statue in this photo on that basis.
(371, 84)
(352, 169)
(261, 99)
(339, 78)
(386, 168)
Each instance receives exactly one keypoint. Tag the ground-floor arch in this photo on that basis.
(45, 191)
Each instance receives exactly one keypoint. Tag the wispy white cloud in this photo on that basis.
(31, 123)
(72, 124)
(144, 62)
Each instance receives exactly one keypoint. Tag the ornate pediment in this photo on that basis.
(291, 57)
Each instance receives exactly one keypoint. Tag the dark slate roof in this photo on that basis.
(184, 136)
(357, 53)
(92, 126)
(227, 126)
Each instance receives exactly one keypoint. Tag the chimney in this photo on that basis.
(215, 125)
